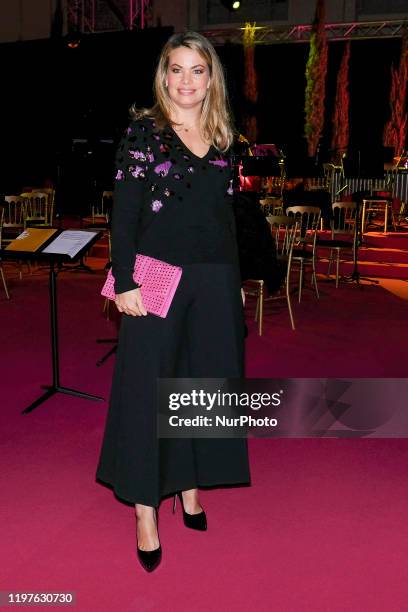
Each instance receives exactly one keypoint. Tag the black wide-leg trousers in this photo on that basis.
(201, 337)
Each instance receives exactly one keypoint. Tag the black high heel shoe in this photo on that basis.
(194, 521)
(150, 559)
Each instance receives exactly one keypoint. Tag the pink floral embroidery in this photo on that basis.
(163, 169)
(190, 169)
(230, 190)
(219, 162)
(119, 175)
(156, 206)
(129, 131)
(137, 172)
(164, 148)
(137, 154)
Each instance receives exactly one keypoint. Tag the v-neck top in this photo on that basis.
(169, 203)
(188, 150)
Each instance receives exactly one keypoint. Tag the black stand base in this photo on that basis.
(356, 278)
(55, 262)
(53, 390)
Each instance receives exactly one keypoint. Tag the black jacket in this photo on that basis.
(256, 248)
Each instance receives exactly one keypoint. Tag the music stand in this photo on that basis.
(362, 164)
(54, 259)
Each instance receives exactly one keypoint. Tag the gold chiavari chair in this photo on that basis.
(3, 277)
(271, 206)
(284, 231)
(14, 217)
(402, 214)
(100, 212)
(38, 210)
(372, 207)
(343, 223)
(100, 217)
(51, 203)
(13, 224)
(308, 218)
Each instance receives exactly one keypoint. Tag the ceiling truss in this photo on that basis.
(274, 34)
(113, 15)
(89, 16)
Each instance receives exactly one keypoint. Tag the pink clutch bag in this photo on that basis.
(158, 279)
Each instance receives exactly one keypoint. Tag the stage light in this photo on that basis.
(234, 5)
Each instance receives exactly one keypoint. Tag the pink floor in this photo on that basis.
(322, 528)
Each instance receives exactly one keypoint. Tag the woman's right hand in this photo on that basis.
(131, 303)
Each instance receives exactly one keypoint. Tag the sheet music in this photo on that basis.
(31, 239)
(70, 242)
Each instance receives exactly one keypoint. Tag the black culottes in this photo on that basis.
(201, 337)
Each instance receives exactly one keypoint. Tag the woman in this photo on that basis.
(172, 201)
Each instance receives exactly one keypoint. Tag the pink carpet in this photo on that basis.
(350, 332)
(322, 528)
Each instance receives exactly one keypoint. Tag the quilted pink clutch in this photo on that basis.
(158, 279)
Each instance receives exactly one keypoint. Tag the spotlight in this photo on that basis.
(234, 5)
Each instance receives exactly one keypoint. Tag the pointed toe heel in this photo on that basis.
(149, 559)
(193, 521)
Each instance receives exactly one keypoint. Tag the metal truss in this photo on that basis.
(81, 15)
(272, 34)
(107, 15)
(138, 13)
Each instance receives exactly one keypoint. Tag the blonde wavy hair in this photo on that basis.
(215, 121)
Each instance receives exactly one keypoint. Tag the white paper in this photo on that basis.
(69, 242)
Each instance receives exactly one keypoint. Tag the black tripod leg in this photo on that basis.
(49, 393)
(108, 354)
